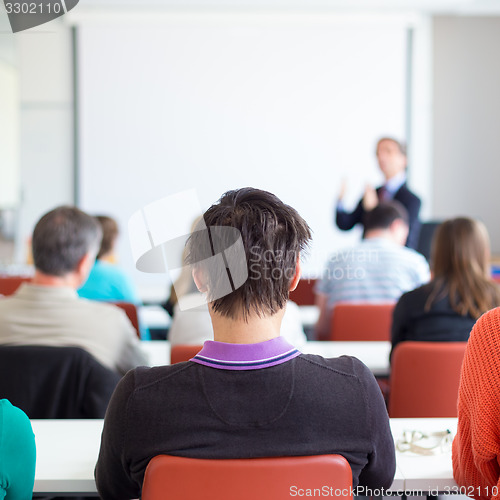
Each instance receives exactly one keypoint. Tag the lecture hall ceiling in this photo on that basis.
(459, 7)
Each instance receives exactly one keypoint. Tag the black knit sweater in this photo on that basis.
(305, 406)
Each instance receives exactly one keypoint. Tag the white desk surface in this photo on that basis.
(67, 451)
(309, 315)
(375, 355)
(426, 474)
(154, 317)
(66, 454)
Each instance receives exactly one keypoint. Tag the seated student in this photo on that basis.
(48, 311)
(378, 269)
(476, 447)
(248, 393)
(106, 281)
(461, 289)
(17, 453)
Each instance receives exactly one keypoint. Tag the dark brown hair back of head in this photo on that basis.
(273, 235)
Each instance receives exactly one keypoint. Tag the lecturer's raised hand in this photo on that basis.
(370, 198)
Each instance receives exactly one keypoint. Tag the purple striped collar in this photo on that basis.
(245, 356)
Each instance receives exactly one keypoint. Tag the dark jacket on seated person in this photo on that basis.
(55, 382)
(441, 323)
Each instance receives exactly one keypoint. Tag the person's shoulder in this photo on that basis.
(489, 322)
(6, 406)
(483, 340)
(25, 291)
(100, 310)
(98, 306)
(405, 192)
(346, 255)
(10, 412)
(111, 270)
(483, 346)
(339, 254)
(6, 302)
(421, 292)
(143, 377)
(112, 275)
(344, 366)
(417, 298)
(411, 254)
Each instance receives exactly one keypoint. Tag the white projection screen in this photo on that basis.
(290, 104)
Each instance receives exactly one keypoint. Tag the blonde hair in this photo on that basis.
(461, 267)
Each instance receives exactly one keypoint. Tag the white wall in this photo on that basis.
(9, 136)
(44, 58)
(467, 120)
(46, 124)
(288, 103)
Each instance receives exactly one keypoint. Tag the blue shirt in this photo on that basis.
(108, 282)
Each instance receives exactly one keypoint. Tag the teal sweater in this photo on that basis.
(17, 453)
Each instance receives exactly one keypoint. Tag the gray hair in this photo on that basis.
(62, 237)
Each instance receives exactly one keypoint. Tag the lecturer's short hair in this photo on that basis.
(272, 233)
(61, 238)
(401, 145)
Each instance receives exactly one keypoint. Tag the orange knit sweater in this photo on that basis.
(476, 447)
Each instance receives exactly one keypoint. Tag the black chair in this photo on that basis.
(55, 382)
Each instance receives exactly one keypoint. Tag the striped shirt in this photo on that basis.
(376, 270)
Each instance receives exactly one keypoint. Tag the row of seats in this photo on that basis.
(350, 322)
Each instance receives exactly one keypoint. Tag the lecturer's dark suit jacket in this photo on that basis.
(347, 220)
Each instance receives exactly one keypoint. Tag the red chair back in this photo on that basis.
(424, 379)
(9, 284)
(180, 353)
(131, 312)
(303, 295)
(363, 322)
(245, 479)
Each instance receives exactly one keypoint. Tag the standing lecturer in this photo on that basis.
(391, 157)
